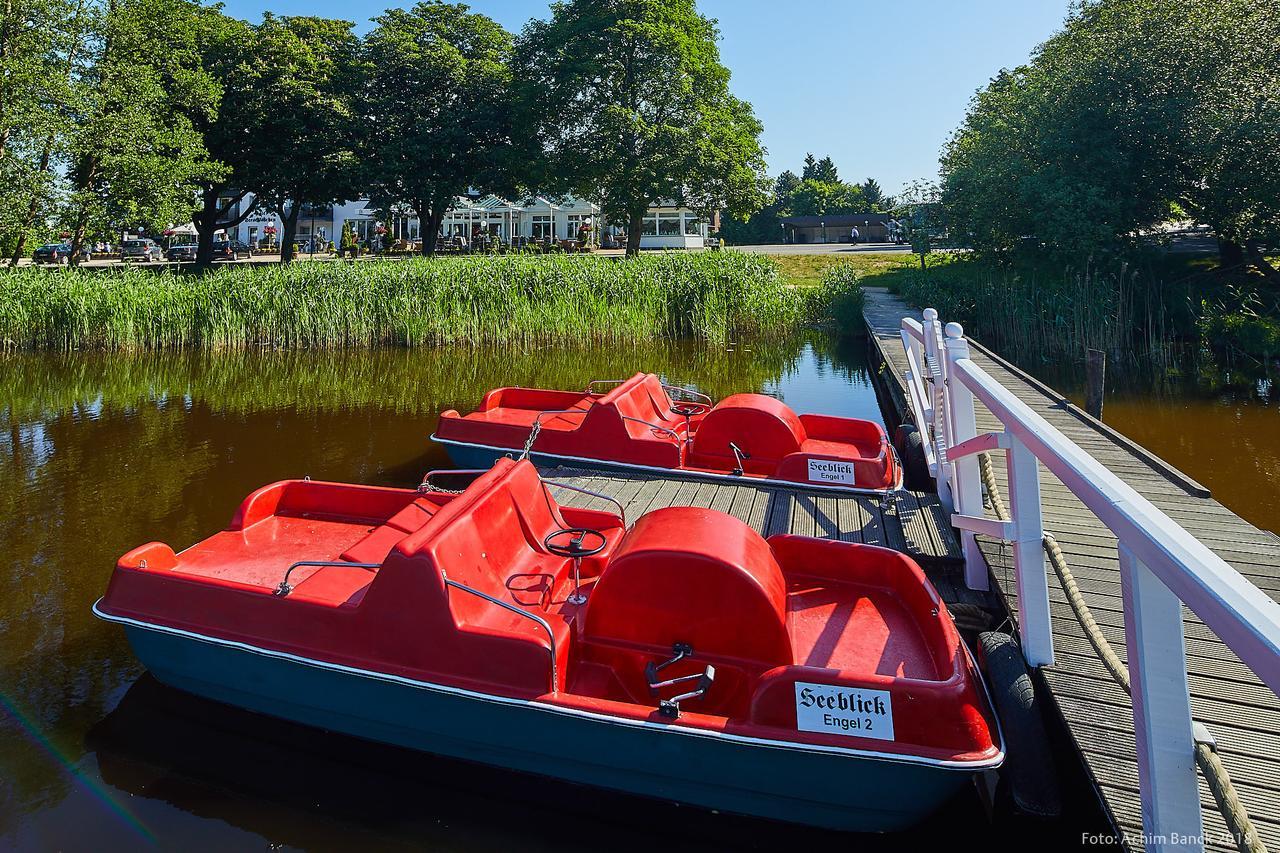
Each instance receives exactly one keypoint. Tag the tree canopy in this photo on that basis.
(632, 106)
(439, 111)
(128, 115)
(1136, 109)
(133, 153)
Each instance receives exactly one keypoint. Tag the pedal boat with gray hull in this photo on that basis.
(640, 424)
(685, 658)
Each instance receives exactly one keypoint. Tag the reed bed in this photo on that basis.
(1034, 313)
(410, 303)
(840, 299)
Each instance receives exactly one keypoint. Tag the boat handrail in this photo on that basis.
(1161, 565)
(538, 418)
(622, 512)
(675, 435)
(594, 382)
(519, 611)
(284, 588)
(665, 387)
(690, 393)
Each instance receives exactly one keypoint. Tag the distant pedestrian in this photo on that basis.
(853, 233)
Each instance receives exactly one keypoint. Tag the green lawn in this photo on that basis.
(876, 269)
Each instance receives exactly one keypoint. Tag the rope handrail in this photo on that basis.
(1211, 767)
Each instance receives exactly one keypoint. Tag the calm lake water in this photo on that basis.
(101, 453)
(1221, 427)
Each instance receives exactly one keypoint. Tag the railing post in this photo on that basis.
(1035, 626)
(966, 487)
(1161, 710)
(938, 404)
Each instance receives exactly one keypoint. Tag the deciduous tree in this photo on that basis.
(134, 156)
(1137, 108)
(633, 106)
(40, 42)
(306, 95)
(439, 111)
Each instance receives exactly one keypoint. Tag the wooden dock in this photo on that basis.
(1241, 712)
(914, 523)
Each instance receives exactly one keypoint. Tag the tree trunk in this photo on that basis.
(206, 222)
(90, 172)
(289, 221)
(1230, 253)
(429, 227)
(635, 230)
(1263, 266)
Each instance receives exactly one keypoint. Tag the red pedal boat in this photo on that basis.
(686, 658)
(641, 424)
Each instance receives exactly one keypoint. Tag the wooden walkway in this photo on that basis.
(1242, 713)
(912, 523)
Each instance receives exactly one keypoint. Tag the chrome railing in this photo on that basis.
(519, 611)
(622, 512)
(284, 588)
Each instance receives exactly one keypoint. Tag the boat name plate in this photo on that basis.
(852, 711)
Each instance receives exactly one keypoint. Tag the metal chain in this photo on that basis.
(428, 486)
(528, 442)
(1215, 772)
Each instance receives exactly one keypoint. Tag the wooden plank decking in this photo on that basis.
(1242, 713)
(910, 522)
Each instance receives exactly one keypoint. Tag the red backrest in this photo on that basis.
(697, 576)
(639, 401)
(764, 427)
(492, 531)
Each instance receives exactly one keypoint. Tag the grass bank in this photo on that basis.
(809, 270)
(416, 302)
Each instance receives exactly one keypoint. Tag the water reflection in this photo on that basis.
(99, 453)
(1220, 425)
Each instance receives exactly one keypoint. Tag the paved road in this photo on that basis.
(771, 249)
(822, 248)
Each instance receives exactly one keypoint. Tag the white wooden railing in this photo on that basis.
(1162, 566)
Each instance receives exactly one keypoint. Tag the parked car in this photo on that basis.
(183, 253)
(55, 253)
(230, 250)
(142, 249)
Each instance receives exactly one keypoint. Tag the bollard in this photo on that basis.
(1095, 381)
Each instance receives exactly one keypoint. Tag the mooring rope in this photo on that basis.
(1215, 772)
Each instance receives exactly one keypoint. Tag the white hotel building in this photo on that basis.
(665, 227)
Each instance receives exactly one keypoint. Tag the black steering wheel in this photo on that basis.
(577, 547)
(688, 409)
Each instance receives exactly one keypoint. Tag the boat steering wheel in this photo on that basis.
(688, 409)
(583, 542)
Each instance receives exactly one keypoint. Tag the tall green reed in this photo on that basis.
(1032, 312)
(416, 302)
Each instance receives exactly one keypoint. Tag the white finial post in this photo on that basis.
(935, 367)
(966, 482)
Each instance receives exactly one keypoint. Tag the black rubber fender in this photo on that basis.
(915, 468)
(1029, 776)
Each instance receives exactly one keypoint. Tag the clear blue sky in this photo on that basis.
(879, 85)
